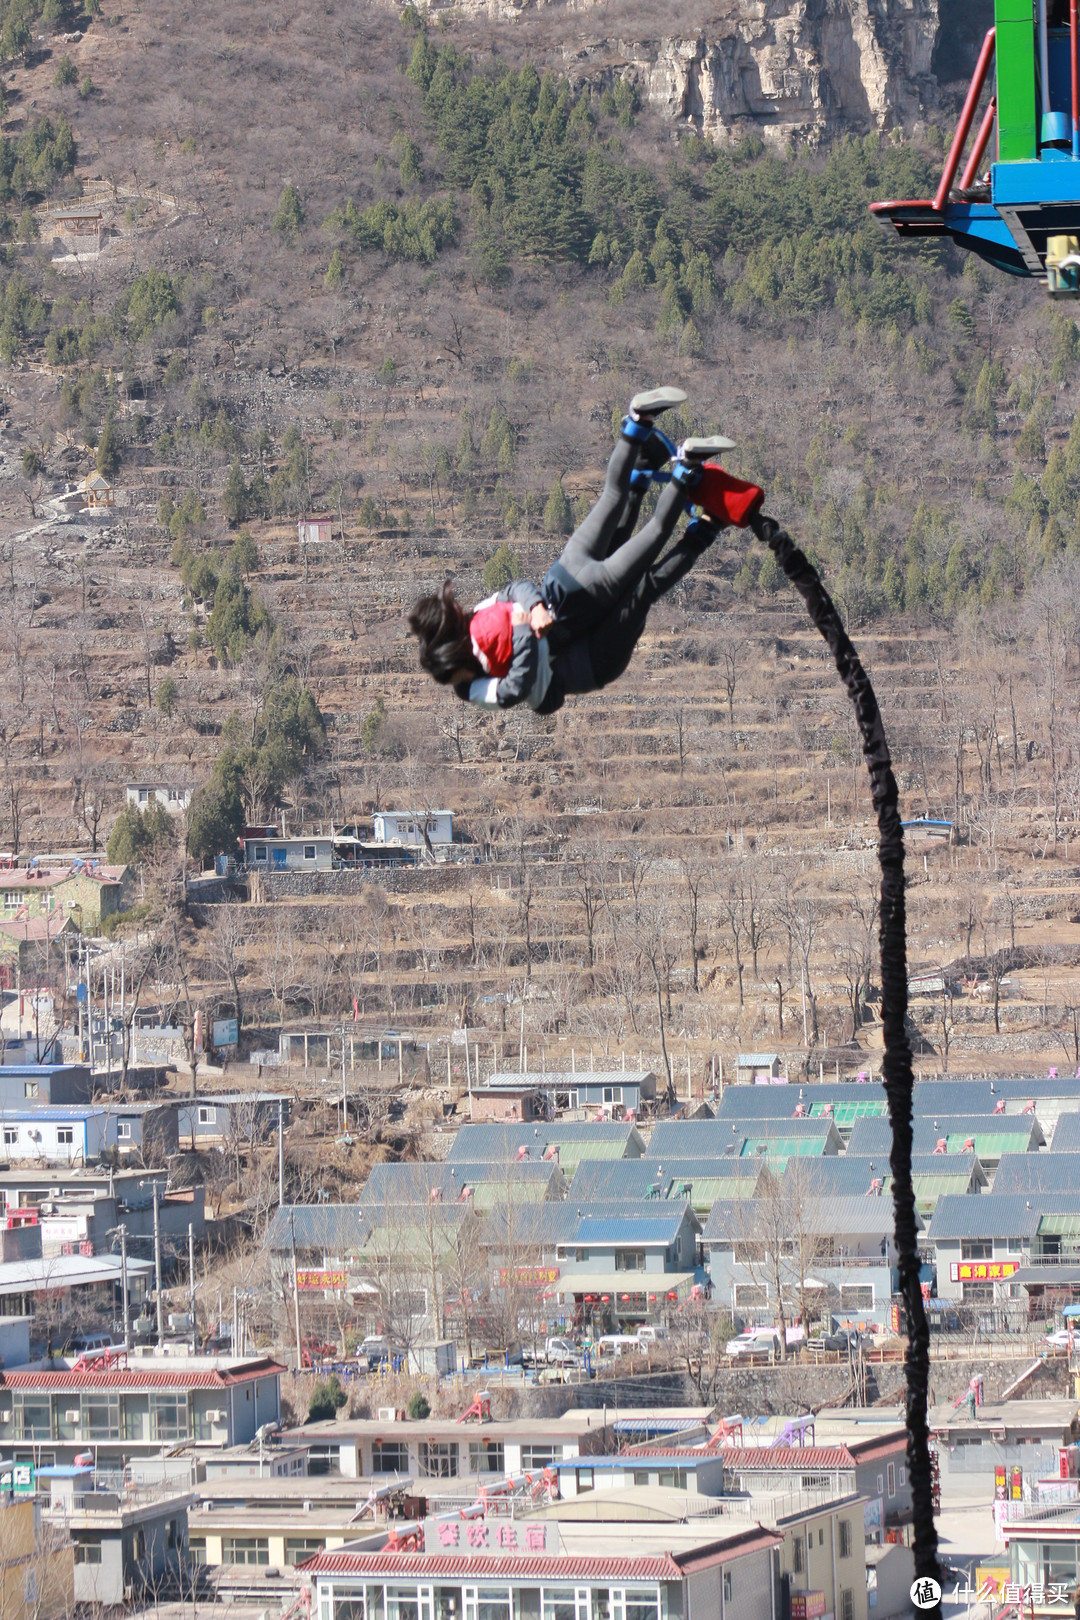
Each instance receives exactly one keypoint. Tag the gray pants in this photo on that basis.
(586, 582)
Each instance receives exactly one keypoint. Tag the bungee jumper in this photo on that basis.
(577, 632)
(1021, 212)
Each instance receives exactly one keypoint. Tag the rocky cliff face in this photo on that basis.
(802, 70)
(798, 70)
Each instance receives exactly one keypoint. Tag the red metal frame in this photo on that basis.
(971, 167)
(967, 116)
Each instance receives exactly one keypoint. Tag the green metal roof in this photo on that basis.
(846, 1113)
(572, 1153)
(1059, 1226)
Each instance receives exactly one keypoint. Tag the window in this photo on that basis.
(36, 1416)
(613, 1094)
(123, 1130)
(533, 1457)
(821, 1536)
(197, 1549)
(144, 795)
(977, 1249)
(892, 1479)
(749, 1294)
(856, 1298)
(101, 1415)
(901, 1475)
(797, 1556)
(88, 1551)
(566, 1603)
(489, 1603)
(845, 1538)
(629, 1259)
(880, 1484)
(309, 852)
(65, 1136)
(585, 1479)
(297, 1548)
(641, 1476)
(30, 1088)
(438, 1459)
(487, 1457)
(388, 1457)
(727, 1586)
(12, 900)
(674, 1478)
(207, 1116)
(169, 1418)
(245, 1550)
(260, 852)
(847, 1604)
(11, 1135)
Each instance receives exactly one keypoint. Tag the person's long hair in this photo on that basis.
(441, 626)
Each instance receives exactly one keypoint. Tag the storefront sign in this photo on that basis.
(482, 1536)
(982, 1270)
(321, 1279)
(527, 1276)
(807, 1605)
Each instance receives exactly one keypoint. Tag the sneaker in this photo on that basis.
(654, 401)
(694, 450)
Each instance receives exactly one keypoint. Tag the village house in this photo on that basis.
(173, 800)
(87, 891)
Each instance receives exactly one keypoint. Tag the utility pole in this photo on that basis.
(157, 1267)
(295, 1296)
(124, 1287)
(280, 1152)
(344, 1094)
(191, 1284)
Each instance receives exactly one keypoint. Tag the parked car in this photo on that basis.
(561, 1352)
(1060, 1339)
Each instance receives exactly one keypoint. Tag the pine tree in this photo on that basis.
(234, 497)
(108, 449)
(289, 219)
(558, 518)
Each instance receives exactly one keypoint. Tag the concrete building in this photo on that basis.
(311, 853)
(1008, 1252)
(85, 890)
(1025, 1434)
(133, 1406)
(542, 1567)
(36, 1561)
(873, 1469)
(617, 1094)
(63, 1133)
(231, 1117)
(440, 1448)
(173, 800)
(842, 1252)
(127, 1536)
(40, 1084)
(61, 1288)
(413, 828)
(627, 1271)
(752, 1067)
(25, 944)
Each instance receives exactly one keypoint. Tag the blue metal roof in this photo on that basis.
(632, 1178)
(499, 1143)
(873, 1137)
(1067, 1134)
(1038, 1172)
(652, 1229)
(701, 1138)
(996, 1215)
(333, 1228)
(413, 1182)
(560, 1221)
(780, 1102)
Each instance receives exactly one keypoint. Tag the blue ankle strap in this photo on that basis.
(637, 432)
(685, 474)
(667, 443)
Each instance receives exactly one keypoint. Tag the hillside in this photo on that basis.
(407, 275)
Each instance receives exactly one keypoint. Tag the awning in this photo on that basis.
(625, 1287)
(1051, 1276)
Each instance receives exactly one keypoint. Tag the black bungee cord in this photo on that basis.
(898, 1075)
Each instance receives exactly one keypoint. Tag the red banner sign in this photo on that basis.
(982, 1270)
(527, 1276)
(321, 1279)
(807, 1605)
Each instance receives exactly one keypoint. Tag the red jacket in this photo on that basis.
(492, 636)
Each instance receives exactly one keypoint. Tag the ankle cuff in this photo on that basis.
(636, 432)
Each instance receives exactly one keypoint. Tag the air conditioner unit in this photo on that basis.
(386, 1414)
(5, 1416)
(179, 1322)
(73, 1416)
(216, 1415)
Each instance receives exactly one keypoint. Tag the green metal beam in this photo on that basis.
(1015, 54)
